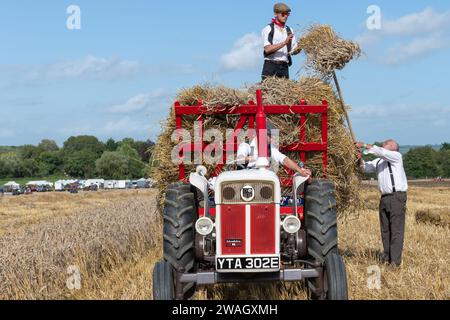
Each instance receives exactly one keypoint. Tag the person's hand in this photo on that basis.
(305, 172)
(289, 39)
(360, 145)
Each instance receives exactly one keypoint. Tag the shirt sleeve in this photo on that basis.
(265, 36)
(391, 156)
(243, 150)
(370, 166)
(294, 42)
(278, 156)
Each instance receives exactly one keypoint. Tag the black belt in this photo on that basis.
(391, 194)
(283, 63)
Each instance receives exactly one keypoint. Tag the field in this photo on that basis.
(103, 245)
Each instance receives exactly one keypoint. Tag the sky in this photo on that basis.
(117, 75)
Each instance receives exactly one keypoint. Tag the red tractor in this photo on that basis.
(245, 233)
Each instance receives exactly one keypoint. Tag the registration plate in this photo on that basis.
(248, 263)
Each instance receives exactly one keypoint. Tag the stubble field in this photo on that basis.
(103, 245)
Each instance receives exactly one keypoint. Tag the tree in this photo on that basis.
(80, 164)
(111, 145)
(29, 152)
(79, 154)
(128, 150)
(10, 165)
(29, 168)
(48, 145)
(445, 146)
(50, 162)
(422, 162)
(83, 143)
(112, 165)
(144, 148)
(119, 165)
(444, 162)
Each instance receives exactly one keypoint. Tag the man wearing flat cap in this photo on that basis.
(279, 41)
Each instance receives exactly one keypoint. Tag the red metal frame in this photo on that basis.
(247, 114)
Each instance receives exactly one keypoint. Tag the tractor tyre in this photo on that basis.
(180, 213)
(335, 278)
(321, 220)
(163, 281)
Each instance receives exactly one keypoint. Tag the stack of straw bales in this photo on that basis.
(342, 168)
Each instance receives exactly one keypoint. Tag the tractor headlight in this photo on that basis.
(204, 226)
(291, 224)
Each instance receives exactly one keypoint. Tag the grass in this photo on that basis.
(115, 239)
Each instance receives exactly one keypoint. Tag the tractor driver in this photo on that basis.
(248, 154)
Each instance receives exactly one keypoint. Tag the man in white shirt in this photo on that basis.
(279, 41)
(248, 154)
(393, 186)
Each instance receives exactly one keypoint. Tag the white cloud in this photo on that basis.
(124, 125)
(87, 67)
(414, 24)
(415, 35)
(401, 113)
(417, 23)
(418, 47)
(138, 102)
(121, 126)
(245, 54)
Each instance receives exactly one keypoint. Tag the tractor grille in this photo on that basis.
(231, 192)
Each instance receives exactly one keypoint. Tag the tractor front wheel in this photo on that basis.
(163, 281)
(335, 278)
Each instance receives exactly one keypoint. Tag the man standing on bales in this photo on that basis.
(279, 41)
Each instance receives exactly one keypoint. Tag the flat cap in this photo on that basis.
(281, 8)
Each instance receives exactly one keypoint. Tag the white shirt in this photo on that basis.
(280, 35)
(380, 166)
(251, 150)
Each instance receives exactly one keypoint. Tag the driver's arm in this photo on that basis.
(288, 163)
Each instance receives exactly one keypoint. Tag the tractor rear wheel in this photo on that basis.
(163, 281)
(321, 220)
(179, 235)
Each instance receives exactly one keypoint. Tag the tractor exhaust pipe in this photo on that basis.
(261, 133)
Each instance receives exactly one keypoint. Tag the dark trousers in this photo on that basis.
(272, 69)
(392, 222)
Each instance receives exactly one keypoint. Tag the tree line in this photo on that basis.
(79, 157)
(426, 162)
(87, 157)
